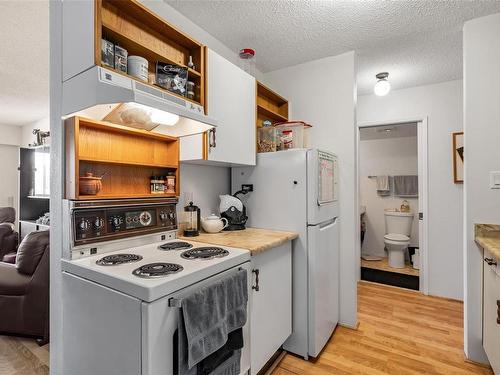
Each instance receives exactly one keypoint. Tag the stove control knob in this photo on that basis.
(171, 215)
(116, 221)
(163, 216)
(84, 225)
(98, 223)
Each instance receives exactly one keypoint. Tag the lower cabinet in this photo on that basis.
(271, 303)
(491, 310)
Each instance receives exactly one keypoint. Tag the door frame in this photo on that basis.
(423, 201)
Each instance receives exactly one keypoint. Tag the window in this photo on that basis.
(42, 172)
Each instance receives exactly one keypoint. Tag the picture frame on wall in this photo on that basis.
(458, 157)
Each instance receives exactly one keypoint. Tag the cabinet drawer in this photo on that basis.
(491, 312)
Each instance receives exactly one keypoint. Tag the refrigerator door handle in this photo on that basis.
(324, 203)
(328, 224)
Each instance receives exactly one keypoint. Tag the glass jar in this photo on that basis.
(266, 139)
(170, 184)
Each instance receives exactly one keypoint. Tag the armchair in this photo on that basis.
(24, 289)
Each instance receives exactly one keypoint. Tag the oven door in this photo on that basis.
(159, 326)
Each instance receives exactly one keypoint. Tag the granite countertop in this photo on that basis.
(488, 237)
(253, 239)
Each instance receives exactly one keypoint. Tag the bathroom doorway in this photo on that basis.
(392, 191)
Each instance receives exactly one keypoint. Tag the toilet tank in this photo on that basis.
(398, 222)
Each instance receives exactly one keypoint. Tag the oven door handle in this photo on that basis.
(175, 302)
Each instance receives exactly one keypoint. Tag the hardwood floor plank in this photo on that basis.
(22, 356)
(400, 332)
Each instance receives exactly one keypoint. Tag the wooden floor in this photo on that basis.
(383, 265)
(22, 356)
(400, 332)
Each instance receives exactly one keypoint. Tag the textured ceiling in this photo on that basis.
(417, 42)
(24, 61)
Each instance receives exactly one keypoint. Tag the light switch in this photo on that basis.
(495, 180)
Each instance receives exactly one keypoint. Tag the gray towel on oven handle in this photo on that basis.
(231, 366)
(406, 186)
(211, 313)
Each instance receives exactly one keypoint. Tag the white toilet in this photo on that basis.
(397, 236)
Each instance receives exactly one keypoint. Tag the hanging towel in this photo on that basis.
(211, 313)
(383, 186)
(406, 186)
(226, 360)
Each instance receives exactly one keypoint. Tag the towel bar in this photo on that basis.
(174, 302)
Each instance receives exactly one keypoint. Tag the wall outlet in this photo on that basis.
(495, 180)
(247, 187)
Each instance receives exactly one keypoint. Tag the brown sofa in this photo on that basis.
(24, 289)
(8, 234)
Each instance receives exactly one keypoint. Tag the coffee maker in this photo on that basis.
(233, 209)
(192, 218)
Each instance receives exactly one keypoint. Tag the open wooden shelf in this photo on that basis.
(141, 32)
(270, 105)
(126, 158)
(118, 162)
(102, 196)
(271, 115)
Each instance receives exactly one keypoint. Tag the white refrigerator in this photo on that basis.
(297, 190)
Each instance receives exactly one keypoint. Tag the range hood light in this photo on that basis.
(140, 116)
(163, 118)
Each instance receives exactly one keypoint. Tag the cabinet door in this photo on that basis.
(271, 319)
(192, 147)
(491, 312)
(231, 101)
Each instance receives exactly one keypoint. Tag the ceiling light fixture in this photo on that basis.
(382, 87)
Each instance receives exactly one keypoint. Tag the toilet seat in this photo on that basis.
(396, 238)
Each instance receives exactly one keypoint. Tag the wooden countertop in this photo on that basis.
(488, 237)
(253, 239)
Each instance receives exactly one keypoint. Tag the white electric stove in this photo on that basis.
(123, 284)
(170, 270)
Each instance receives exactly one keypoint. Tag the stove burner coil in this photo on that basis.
(117, 259)
(155, 270)
(205, 253)
(177, 245)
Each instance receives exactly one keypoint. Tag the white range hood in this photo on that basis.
(97, 92)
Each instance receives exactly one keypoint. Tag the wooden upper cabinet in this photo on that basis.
(133, 26)
(126, 158)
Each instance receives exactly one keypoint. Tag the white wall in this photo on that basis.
(323, 93)
(10, 135)
(379, 157)
(442, 105)
(9, 188)
(206, 183)
(482, 155)
(10, 138)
